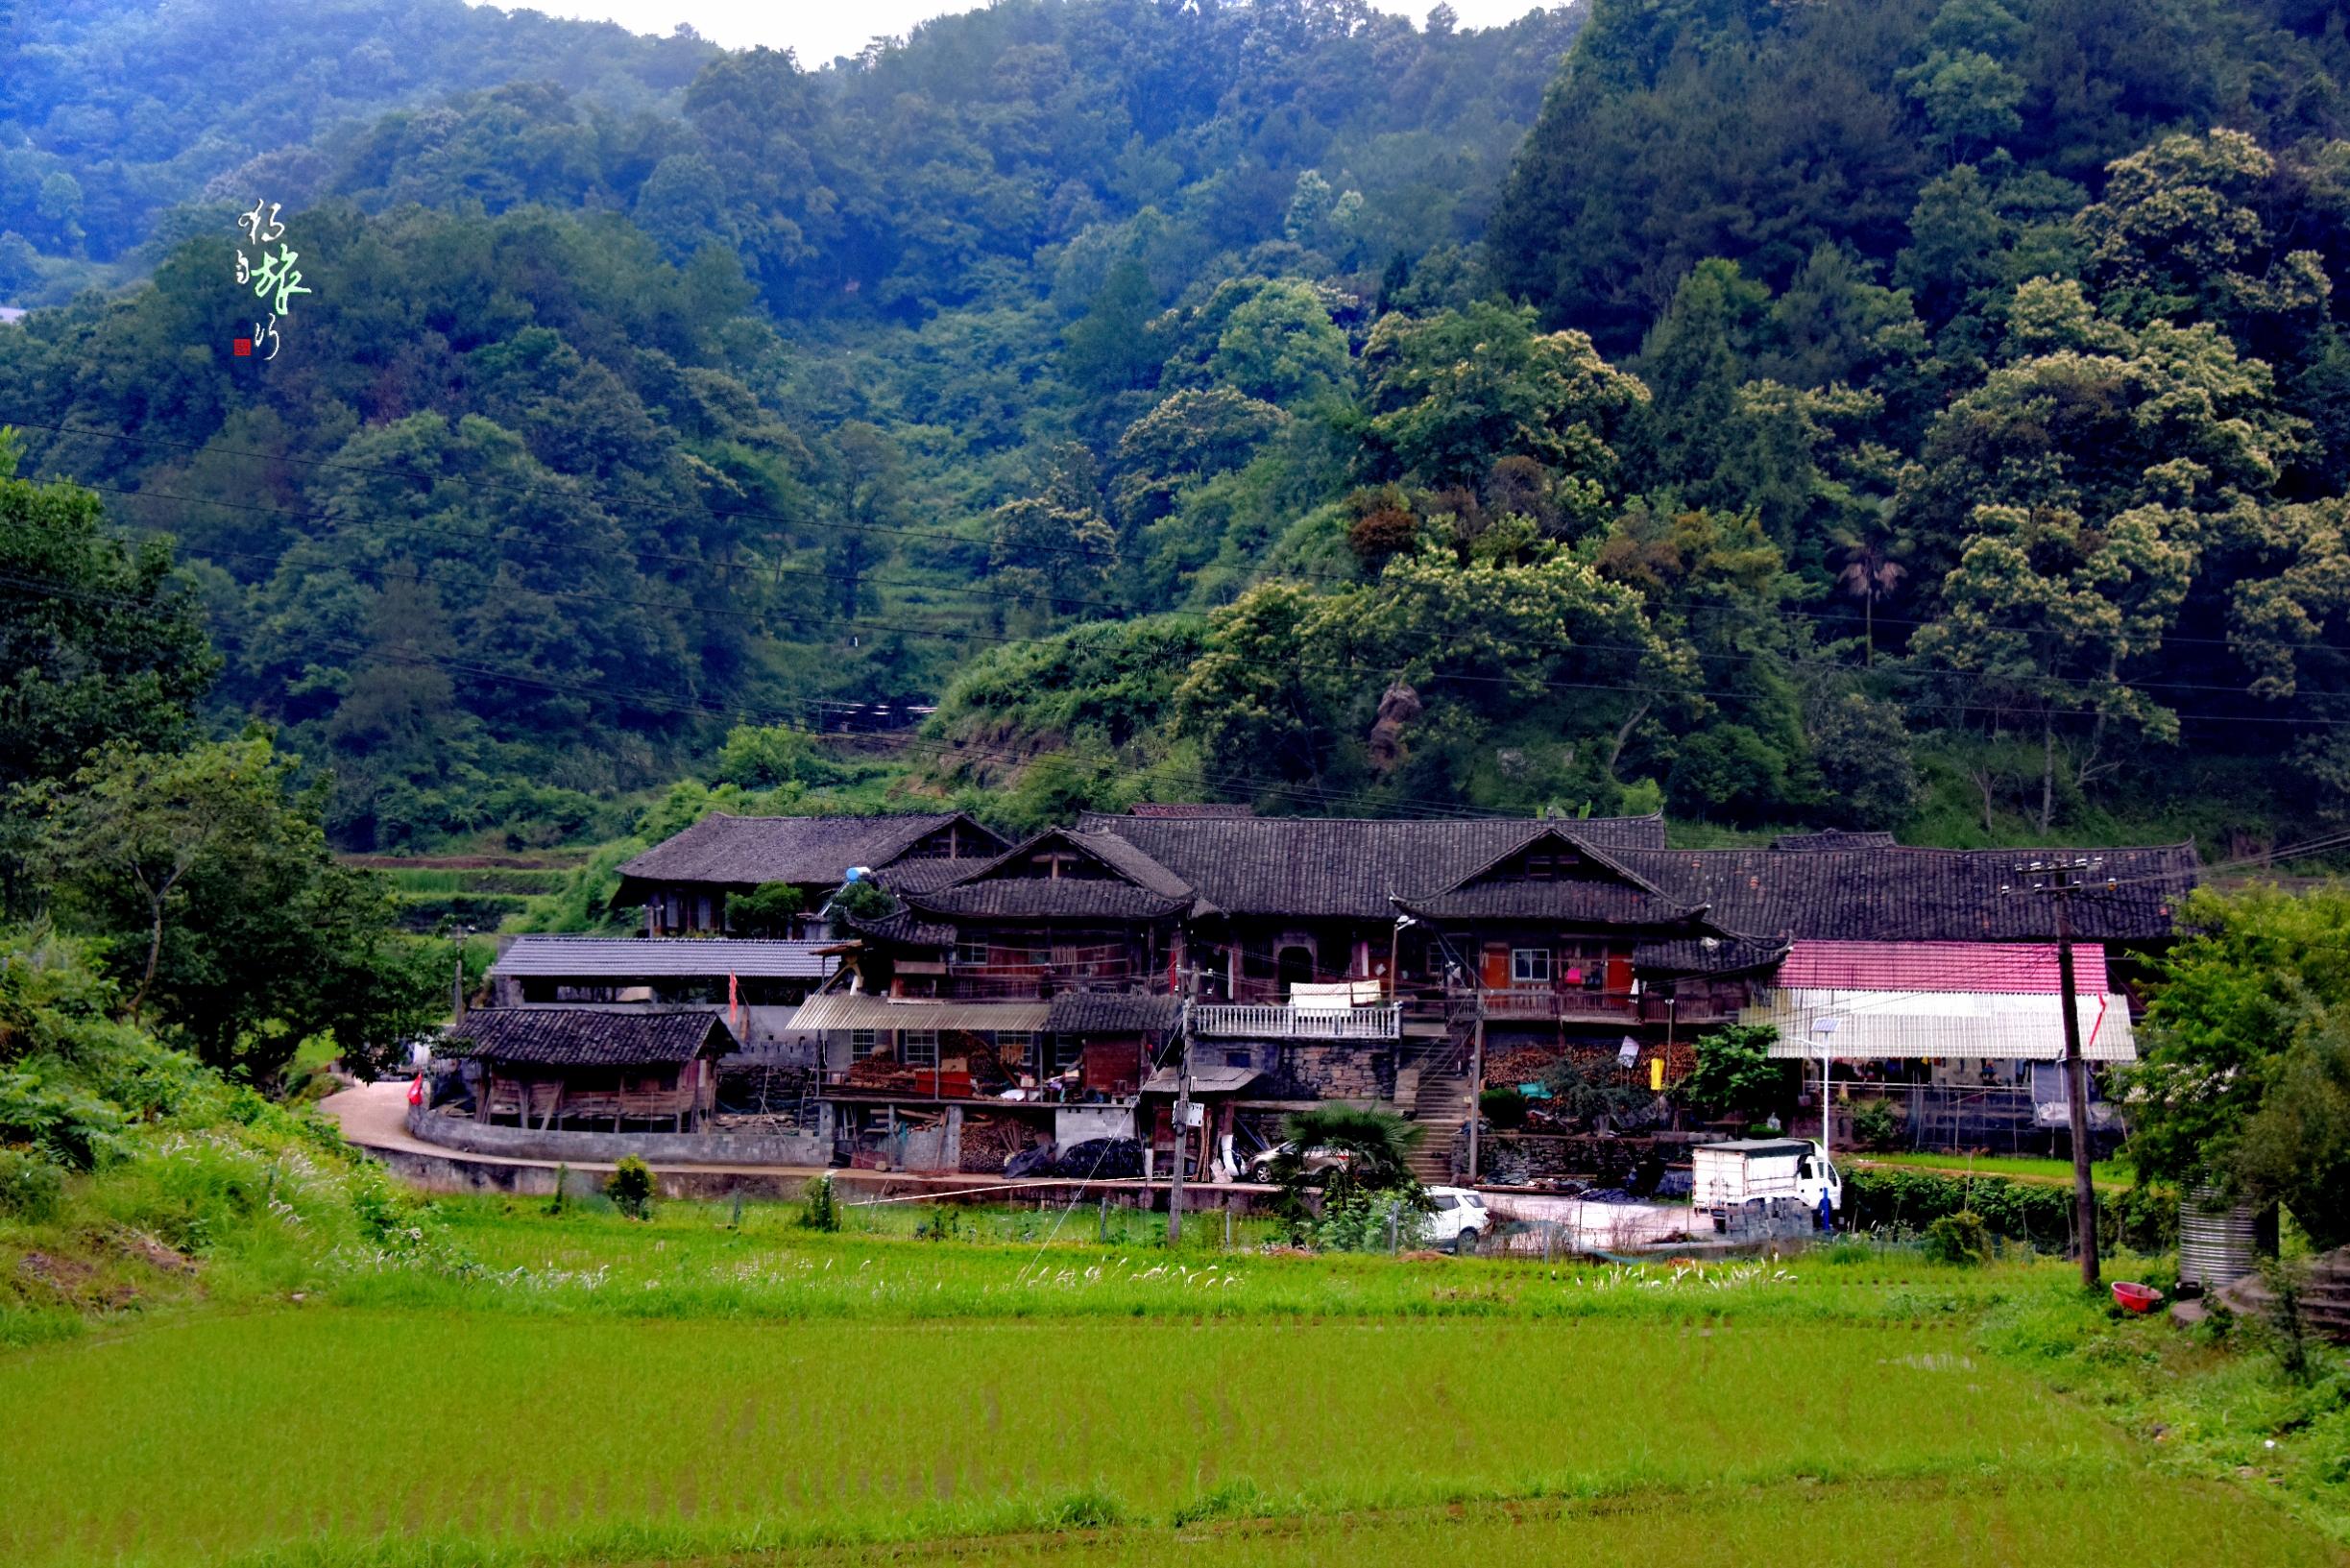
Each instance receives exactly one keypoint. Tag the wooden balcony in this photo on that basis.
(1575, 1004)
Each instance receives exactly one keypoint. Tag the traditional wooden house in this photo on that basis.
(1028, 992)
(597, 1069)
(755, 984)
(684, 882)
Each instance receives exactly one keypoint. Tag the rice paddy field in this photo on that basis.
(575, 1388)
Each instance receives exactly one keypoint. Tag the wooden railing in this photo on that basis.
(1230, 1021)
(1546, 1006)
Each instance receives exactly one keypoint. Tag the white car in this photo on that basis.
(1461, 1218)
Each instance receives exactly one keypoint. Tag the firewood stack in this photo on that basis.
(988, 1141)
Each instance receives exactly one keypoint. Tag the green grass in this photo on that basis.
(2104, 1173)
(852, 1432)
(511, 1385)
(2009, 1522)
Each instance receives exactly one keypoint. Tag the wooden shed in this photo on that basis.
(549, 1066)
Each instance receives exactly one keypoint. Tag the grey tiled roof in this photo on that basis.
(1595, 900)
(1340, 867)
(1689, 955)
(587, 1037)
(904, 926)
(1917, 895)
(1141, 888)
(1835, 838)
(745, 852)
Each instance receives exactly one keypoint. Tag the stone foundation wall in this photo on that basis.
(1345, 1069)
(595, 1148)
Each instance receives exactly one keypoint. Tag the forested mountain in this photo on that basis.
(1906, 415)
(112, 115)
(723, 407)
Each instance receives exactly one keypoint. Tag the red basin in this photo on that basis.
(2137, 1298)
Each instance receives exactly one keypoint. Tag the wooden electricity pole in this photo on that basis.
(2058, 881)
(1182, 1133)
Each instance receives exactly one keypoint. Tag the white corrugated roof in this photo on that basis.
(1998, 1024)
(660, 958)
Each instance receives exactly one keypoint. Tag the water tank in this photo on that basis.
(2218, 1241)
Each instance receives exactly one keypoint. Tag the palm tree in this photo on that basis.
(1380, 1142)
(1873, 571)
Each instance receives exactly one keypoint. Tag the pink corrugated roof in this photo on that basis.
(2015, 968)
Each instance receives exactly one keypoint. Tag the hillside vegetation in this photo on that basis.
(1925, 417)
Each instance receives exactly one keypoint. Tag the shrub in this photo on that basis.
(1958, 1239)
(820, 1211)
(630, 1186)
(1876, 1123)
(865, 900)
(31, 1188)
(1505, 1109)
(766, 911)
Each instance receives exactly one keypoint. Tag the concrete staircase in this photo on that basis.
(1442, 1106)
(1434, 1091)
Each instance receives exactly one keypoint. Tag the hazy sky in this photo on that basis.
(821, 31)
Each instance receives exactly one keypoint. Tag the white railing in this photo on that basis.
(1243, 1022)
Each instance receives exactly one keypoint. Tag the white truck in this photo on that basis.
(1770, 1174)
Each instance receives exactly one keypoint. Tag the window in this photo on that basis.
(918, 1047)
(970, 955)
(1445, 1202)
(862, 1043)
(1237, 1058)
(1529, 966)
(1016, 1049)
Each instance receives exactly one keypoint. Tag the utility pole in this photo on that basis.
(2059, 880)
(1477, 1085)
(456, 984)
(1182, 1132)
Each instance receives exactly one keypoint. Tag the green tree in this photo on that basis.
(1055, 550)
(243, 933)
(768, 910)
(2177, 235)
(1288, 690)
(100, 640)
(2261, 971)
(1113, 348)
(1449, 393)
(1735, 1071)
(151, 818)
(2295, 1148)
(1280, 347)
(2051, 616)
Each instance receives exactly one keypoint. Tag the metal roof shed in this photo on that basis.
(2002, 1001)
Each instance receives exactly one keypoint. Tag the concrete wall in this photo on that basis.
(655, 1147)
(1076, 1123)
(455, 1172)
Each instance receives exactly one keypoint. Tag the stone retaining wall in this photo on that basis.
(596, 1147)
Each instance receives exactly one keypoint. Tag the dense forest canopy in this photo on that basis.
(1925, 415)
(113, 117)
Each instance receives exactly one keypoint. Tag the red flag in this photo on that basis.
(416, 1091)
